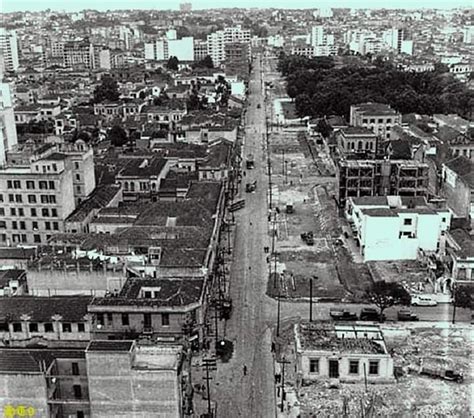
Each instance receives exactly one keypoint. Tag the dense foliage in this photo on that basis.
(319, 88)
(106, 90)
(386, 294)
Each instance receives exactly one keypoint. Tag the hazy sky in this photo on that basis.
(75, 5)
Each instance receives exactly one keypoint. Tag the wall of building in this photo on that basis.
(385, 374)
(456, 192)
(56, 334)
(24, 389)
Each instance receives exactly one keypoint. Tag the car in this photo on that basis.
(422, 300)
(406, 315)
(258, 106)
(370, 314)
(342, 315)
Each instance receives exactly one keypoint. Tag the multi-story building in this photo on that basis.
(79, 54)
(200, 50)
(397, 228)
(9, 49)
(358, 178)
(163, 49)
(106, 379)
(395, 38)
(319, 37)
(8, 137)
(237, 53)
(35, 200)
(355, 140)
(216, 42)
(185, 7)
(375, 116)
(457, 186)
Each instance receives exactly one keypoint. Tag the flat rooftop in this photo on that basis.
(106, 345)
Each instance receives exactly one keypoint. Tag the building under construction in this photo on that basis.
(381, 178)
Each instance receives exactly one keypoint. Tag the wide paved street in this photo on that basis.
(249, 328)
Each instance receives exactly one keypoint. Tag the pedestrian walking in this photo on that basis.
(245, 370)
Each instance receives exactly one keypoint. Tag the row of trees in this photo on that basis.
(319, 88)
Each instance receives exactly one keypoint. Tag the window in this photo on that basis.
(31, 198)
(34, 225)
(78, 177)
(81, 327)
(43, 185)
(51, 185)
(2, 212)
(380, 121)
(21, 212)
(14, 225)
(36, 238)
(48, 327)
(76, 165)
(56, 226)
(147, 294)
(314, 365)
(52, 199)
(389, 120)
(54, 212)
(3, 224)
(9, 184)
(125, 320)
(55, 167)
(17, 327)
(18, 198)
(79, 414)
(45, 212)
(33, 212)
(165, 319)
(47, 226)
(11, 198)
(443, 219)
(44, 198)
(110, 318)
(67, 327)
(373, 367)
(23, 238)
(30, 184)
(372, 120)
(75, 368)
(77, 391)
(365, 120)
(22, 225)
(33, 326)
(17, 184)
(407, 221)
(353, 366)
(12, 211)
(1, 198)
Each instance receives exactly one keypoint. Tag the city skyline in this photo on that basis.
(75, 6)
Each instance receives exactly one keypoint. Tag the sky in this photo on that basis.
(77, 5)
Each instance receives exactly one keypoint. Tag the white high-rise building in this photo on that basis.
(216, 41)
(163, 49)
(9, 49)
(468, 34)
(8, 137)
(319, 37)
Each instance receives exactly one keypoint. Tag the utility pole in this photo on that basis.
(278, 312)
(209, 364)
(216, 322)
(283, 394)
(311, 300)
(273, 248)
(283, 161)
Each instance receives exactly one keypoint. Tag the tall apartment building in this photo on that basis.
(217, 41)
(378, 117)
(163, 49)
(8, 136)
(237, 53)
(9, 49)
(395, 38)
(358, 178)
(79, 54)
(36, 199)
(200, 50)
(185, 7)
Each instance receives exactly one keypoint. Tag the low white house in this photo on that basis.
(397, 227)
(349, 353)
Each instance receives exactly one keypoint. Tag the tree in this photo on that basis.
(172, 63)
(117, 136)
(107, 90)
(386, 294)
(324, 128)
(206, 62)
(463, 297)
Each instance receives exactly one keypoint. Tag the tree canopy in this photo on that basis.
(386, 294)
(320, 89)
(172, 63)
(206, 62)
(106, 90)
(117, 136)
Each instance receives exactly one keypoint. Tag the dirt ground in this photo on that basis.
(300, 181)
(412, 395)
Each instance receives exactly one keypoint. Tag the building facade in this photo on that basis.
(9, 50)
(380, 118)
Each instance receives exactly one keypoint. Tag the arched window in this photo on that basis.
(125, 186)
(132, 186)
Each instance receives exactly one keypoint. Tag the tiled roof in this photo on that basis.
(375, 109)
(465, 242)
(100, 198)
(171, 293)
(17, 253)
(98, 345)
(41, 309)
(21, 360)
(145, 167)
(357, 130)
(464, 168)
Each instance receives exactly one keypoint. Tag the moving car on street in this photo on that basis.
(340, 314)
(407, 315)
(371, 314)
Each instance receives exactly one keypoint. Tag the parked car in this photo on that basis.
(308, 238)
(407, 315)
(342, 315)
(370, 314)
(421, 300)
(442, 373)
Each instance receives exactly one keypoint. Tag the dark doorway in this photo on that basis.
(334, 368)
